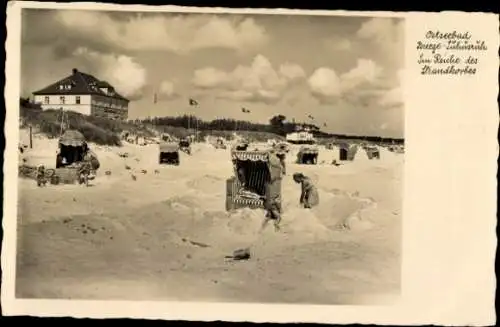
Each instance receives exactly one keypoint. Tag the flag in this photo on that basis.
(193, 102)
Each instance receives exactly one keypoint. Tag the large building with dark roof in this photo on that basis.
(85, 94)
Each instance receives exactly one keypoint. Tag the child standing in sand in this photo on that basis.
(272, 205)
(272, 196)
(281, 156)
(309, 194)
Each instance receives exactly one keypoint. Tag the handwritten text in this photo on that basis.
(449, 53)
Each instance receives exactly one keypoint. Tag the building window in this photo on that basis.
(46, 100)
(65, 87)
(62, 99)
(77, 100)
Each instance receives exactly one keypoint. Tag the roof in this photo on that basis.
(81, 83)
(169, 147)
(308, 149)
(72, 138)
(272, 161)
(250, 155)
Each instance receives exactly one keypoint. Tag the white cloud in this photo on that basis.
(235, 95)
(181, 33)
(387, 34)
(394, 96)
(292, 71)
(243, 95)
(365, 85)
(325, 82)
(220, 32)
(258, 81)
(365, 71)
(126, 75)
(384, 30)
(373, 81)
(209, 77)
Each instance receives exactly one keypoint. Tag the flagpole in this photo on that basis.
(62, 121)
(196, 129)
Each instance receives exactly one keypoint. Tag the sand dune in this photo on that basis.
(164, 236)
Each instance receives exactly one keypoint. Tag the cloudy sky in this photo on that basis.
(344, 71)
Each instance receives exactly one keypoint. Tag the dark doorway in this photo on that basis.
(69, 155)
(343, 154)
(254, 175)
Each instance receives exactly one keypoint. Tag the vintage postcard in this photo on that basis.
(206, 164)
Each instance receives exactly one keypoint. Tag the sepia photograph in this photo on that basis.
(210, 157)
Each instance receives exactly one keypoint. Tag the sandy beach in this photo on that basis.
(164, 236)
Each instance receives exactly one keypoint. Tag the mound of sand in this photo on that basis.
(208, 184)
(170, 229)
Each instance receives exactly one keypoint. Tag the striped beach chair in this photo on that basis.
(257, 173)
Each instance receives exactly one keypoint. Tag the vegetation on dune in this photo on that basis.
(179, 132)
(107, 132)
(96, 130)
(277, 128)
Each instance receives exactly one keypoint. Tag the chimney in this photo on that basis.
(75, 71)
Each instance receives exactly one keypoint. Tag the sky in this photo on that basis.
(345, 72)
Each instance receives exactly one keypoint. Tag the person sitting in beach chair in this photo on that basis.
(242, 176)
(309, 194)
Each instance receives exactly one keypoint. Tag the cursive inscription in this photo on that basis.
(449, 53)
